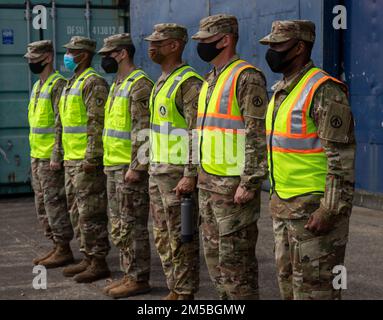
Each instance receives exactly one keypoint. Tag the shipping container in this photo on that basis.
(363, 44)
(97, 19)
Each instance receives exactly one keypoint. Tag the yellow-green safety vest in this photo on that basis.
(41, 117)
(117, 131)
(221, 126)
(297, 161)
(74, 119)
(168, 128)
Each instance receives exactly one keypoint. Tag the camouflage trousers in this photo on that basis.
(86, 198)
(229, 233)
(50, 201)
(180, 261)
(128, 209)
(304, 260)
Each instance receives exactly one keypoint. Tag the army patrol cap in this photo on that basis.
(164, 31)
(38, 48)
(219, 23)
(115, 41)
(81, 43)
(282, 31)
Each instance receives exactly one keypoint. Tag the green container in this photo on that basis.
(105, 18)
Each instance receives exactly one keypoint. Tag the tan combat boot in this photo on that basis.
(185, 297)
(171, 296)
(98, 269)
(61, 257)
(130, 288)
(112, 285)
(175, 296)
(37, 260)
(71, 271)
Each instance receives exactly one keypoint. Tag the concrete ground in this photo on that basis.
(21, 240)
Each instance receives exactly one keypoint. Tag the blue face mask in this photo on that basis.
(69, 62)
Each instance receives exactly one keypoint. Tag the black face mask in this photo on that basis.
(37, 67)
(109, 64)
(277, 60)
(208, 51)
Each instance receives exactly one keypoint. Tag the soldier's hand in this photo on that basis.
(242, 195)
(132, 176)
(320, 222)
(89, 167)
(55, 166)
(185, 185)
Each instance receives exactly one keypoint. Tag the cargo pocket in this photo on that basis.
(311, 253)
(239, 219)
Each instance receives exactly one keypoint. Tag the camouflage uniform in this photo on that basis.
(48, 184)
(86, 192)
(180, 261)
(229, 230)
(305, 260)
(128, 204)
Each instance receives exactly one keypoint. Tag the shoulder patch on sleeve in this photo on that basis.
(336, 124)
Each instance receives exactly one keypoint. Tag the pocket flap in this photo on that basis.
(237, 220)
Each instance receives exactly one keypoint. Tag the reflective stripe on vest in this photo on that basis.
(74, 118)
(42, 130)
(117, 132)
(221, 125)
(77, 129)
(169, 130)
(41, 118)
(297, 162)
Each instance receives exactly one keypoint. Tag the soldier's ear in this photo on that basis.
(49, 58)
(124, 54)
(175, 45)
(225, 41)
(301, 47)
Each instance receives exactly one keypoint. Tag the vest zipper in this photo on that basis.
(204, 113)
(271, 151)
(202, 126)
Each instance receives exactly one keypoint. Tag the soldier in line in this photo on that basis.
(311, 143)
(126, 114)
(173, 107)
(231, 124)
(82, 115)
(46, 157)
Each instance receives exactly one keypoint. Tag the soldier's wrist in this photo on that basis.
(190, 172)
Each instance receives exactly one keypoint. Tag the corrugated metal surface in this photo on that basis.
(14, 74)
(364, 72)
(255, 18)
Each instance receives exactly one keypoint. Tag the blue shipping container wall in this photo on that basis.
(364, 75)
(105, 19)
(255, 18)
(357, 49)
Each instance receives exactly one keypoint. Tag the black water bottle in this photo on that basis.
(187, 223)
